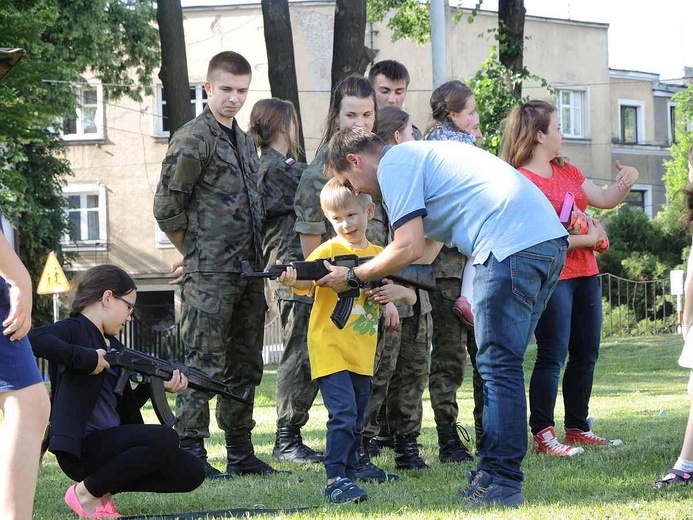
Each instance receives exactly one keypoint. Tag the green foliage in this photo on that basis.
(116, 41)
(411, 20)
(493, 86)
(640, 248)
(676, 176)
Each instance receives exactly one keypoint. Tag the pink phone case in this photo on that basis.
(566, 209)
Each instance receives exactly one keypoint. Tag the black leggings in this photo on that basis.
(133, 457)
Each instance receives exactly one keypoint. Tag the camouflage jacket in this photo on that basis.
(278, 179)
(449, 263)
(206, 193)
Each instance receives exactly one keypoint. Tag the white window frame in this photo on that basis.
(98, 116)
(670, 134)
(93, 245)
(159, 112)
(640, 107)
(161, 240)
(583, 112)
(647, 198)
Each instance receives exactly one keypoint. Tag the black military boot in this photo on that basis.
(197, 448)
(451, 447)
(407, 453)
(241, 459)
(366, 471)
(289, 447)
(384, 439)
(370, 446)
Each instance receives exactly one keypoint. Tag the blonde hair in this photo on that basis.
(337, 197)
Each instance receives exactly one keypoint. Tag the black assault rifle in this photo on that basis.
(141, 367)
(416, 275)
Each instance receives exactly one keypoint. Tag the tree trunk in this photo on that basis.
(349, 53)
(279, 41)
(511, 29)
(174, 63)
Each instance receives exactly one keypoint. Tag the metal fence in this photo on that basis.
(636, 308)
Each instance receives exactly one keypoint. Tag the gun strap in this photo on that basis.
(223, 513)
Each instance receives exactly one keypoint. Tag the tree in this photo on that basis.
(279, 41)
(174, 63)
(349, 52)
(511, 38)
(114, 40)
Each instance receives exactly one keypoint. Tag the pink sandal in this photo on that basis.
(73, 503)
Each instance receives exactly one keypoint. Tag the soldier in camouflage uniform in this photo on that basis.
(207, 204)
(273, 124)
(449, 356)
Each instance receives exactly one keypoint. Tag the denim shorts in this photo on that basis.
(18, 367)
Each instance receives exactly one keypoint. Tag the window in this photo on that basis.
(631, 121)
(672, 122)
(87, 123)
(160, 239)
(571, 113)
(87, 214)
(198, 99)
(640, 198)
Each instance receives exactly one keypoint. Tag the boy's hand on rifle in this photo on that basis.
(102, 364)
(288, 277)
(391, 316)
(177, 272)
(392, 292)
(177, 383)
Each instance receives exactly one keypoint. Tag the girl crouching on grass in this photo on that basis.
(97, 436)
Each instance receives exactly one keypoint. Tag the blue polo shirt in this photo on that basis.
(468, 198)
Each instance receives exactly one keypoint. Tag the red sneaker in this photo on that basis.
(463, 310)
(577, 436)
(546, 442)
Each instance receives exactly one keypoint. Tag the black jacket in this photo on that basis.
(70, 347)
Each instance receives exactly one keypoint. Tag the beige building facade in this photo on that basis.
(116, 146)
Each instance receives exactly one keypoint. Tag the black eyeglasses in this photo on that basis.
(131, 306)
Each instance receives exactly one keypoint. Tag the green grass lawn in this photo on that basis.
(639, 397)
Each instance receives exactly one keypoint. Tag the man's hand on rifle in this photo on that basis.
(102, 364)
(177, 383)
(336, 279)
(392, 292)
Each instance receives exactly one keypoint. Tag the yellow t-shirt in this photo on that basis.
(331, 350)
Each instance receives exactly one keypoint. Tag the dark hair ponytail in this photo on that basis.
(93, 283)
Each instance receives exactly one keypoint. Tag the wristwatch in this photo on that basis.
(352, 280)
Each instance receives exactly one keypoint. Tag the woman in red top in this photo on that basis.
(572, 321)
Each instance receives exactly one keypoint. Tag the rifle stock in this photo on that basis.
(416, 275)
(145, 367)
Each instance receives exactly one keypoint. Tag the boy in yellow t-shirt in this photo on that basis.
(342, 360)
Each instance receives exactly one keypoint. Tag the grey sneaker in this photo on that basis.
(485, 492)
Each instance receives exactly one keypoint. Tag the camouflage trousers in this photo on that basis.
(295, 391)
(401, 368)
(451, 340)
(222, 327)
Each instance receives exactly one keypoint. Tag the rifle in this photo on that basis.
(417, 275)
(141, 367)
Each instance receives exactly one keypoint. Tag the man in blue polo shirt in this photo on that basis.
(440, 192)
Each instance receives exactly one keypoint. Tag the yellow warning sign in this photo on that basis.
(53, 279)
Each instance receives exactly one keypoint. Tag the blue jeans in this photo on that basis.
(571, 325)
(509, 297)
(346, 397)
